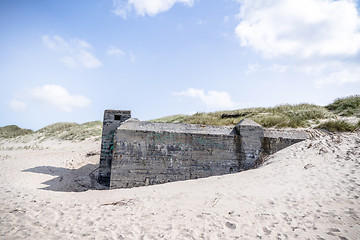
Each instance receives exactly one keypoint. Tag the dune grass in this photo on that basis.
(281, 116)
(348, 106)
(171, 119)
(338, 126)
(62, 130)
(72, 131)
(12, 131)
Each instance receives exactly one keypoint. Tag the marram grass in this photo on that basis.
(282, 116)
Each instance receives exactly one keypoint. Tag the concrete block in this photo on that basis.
(151, 153)
(112, 120)
(251, 135)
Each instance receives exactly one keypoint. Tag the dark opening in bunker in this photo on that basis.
(117, 117)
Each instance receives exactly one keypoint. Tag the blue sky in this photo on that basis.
(71, 60)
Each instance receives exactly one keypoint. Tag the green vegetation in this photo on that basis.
(13, 131)
(337, 126)
(56, 128)
(172, 119)
(281, 116)
(348, 106)
(64, 130)
(292, 116)
(72, 131)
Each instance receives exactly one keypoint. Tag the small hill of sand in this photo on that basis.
(307, 191)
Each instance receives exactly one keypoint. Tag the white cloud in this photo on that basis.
(87, 60)
(279, 68)
(122, 8)
(300, 29)
(59, 97)
(17, 105)
(74, 53)
(319, 38)
(114, 51)
(252, 68)
(211, 99)
(337, 72)
(146, 7)
(255, 67)
(56, 43)
(69, 61)
(346, 75)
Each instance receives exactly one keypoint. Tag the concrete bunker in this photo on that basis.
(136, 153)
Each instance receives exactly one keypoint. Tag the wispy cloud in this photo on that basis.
(146, 7)
(121, 8)
(252, 68)
(338, 72)
(212, 99)
(114, 51)
(55, 43)
(277, 68)
(17, 106)
(59, 97)
(305, 33)
(73, 53)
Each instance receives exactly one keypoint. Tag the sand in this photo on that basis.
(308, 191)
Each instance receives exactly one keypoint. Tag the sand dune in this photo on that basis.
(308, 191)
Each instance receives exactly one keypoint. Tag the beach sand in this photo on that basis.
(310, 190)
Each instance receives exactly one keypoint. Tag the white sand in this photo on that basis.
(307, 191)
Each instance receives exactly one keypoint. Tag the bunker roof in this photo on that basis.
(135, 124)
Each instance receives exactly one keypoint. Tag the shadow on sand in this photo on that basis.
(69, 180)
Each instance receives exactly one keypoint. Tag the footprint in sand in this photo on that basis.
(230, 225)
(266, 231)
(333, 231)
(90, 223)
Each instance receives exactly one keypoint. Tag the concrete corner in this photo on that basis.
(112, 120)
(252, 135)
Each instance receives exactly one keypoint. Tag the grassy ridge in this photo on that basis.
(348, 106)
(282, 116)
(338, 126)
(13, 131)
(329, 117)
(72, 131)
(63, 130)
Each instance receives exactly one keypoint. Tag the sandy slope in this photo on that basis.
(308, 191)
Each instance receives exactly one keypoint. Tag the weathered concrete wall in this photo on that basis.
(150, 153)
(251, 135)
(144, 153)
(275, 140)
(112, 120)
